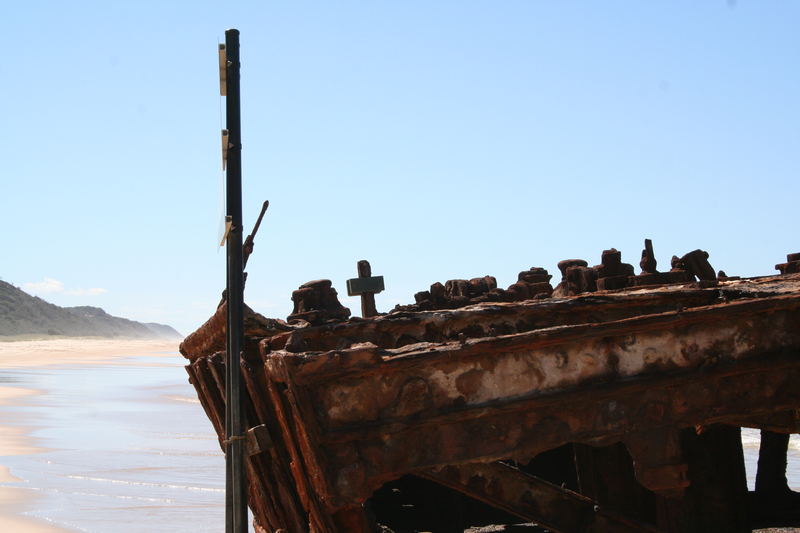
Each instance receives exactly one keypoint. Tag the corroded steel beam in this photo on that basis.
(340, 408)
(363, 416)
(210, 337)
(356, 462)
(430, 377)
(778, 422)
(533, 499)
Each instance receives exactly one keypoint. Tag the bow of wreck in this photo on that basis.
(610, 403)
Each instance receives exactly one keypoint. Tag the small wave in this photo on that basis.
(102, 495)
(145, 483)
(184, 436)
(181, 453)
(167, 435)
(178, 398)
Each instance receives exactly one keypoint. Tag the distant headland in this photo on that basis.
(23, 315)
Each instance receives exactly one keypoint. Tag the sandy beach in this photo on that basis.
(77, 351)
(15, 437)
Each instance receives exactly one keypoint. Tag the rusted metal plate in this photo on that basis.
(347, 405)
(778, 422)
(357, 461)
(357, 286)
(428, 378)
(210, 337)
(489, 399)
(558, 509)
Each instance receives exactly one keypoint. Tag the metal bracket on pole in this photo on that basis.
(223, 71)
(225, 146)
(226, 230)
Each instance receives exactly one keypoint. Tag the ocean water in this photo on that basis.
(750, 442)
(129, 449)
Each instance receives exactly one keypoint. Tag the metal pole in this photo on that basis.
(236, 481)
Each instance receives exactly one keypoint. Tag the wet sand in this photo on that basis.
(15, 438)
(14, 501)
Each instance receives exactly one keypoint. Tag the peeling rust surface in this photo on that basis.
(210, 337)
(470, 377)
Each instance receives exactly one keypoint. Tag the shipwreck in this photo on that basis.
(611, 402)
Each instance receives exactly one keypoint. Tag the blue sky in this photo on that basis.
(437, 139)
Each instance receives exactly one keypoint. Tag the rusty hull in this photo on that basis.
(339, 409)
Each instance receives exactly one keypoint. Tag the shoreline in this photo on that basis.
(15, 438)
(78, 351)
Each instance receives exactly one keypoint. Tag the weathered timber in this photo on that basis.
(342, 407)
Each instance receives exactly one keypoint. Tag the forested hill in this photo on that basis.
(23, 314)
